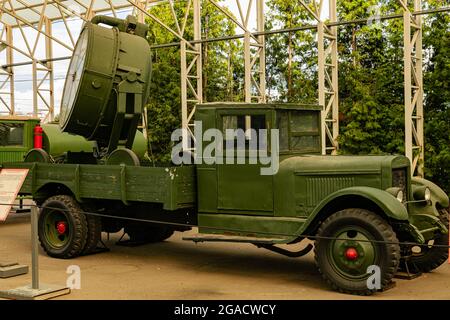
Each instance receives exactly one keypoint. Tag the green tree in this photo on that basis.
(370, 82)
(291, 72)
(437, 99)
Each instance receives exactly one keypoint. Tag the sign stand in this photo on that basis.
(10, 183)
(12, 269)
(35, 291)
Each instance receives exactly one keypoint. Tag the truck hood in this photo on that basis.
(311, 164)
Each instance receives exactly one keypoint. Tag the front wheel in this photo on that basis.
(353, 244)
(428, 258)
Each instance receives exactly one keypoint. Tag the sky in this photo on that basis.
(23, 78)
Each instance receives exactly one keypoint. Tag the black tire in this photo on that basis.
(342, 271)
(94, 234)
(149, 234)
(72, 242)
(430, 258)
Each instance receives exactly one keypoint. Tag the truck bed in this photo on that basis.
(174, 187)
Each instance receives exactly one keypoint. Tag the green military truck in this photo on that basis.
(360, 211)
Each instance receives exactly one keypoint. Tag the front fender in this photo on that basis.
(438, 195)
(384, 200)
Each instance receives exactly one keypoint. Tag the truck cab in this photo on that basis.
(303, 184)
(237, 184)
(16, 137)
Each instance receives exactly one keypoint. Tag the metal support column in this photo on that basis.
(191, 70)
(34, 249)
(49, 65)
(334, 116)
(10, 70)
(141, 19)
(247, 70)
(7, 74)
(327, 74)
(413, 60)
(35, 87)
(321, 85)
(184, 103)
(260, 21)
(254, 54)
(198, 48)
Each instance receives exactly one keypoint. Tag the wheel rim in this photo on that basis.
(57, 229)
(351, 253)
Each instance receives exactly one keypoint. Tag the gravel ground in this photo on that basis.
(177, 269)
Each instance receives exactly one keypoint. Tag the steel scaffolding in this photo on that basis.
(328, 73)
(413, 66)
(35, 17)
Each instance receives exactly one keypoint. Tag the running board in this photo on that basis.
(287, 253)
(204, 237)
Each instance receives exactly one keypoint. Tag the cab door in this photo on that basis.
(242, 189)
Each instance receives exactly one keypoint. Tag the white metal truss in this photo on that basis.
(33, 19)
(413, 64)
(7, 73)
(191, 71)
(42, 72)
(38, 15)
(254, 51)
(327, 74)
(254, 48)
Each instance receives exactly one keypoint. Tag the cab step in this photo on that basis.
(203, 237)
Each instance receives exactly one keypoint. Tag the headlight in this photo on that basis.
(400, 196)
(421, 193)
(427, 194)
(396, 192)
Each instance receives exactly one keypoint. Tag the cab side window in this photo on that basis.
(305, 134)
(254, 140)
(11, 134)
(299, 130)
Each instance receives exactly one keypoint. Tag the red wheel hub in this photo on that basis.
(61, 227)
(351, 254)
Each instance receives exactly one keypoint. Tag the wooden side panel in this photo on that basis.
(147, 184)
(174, 187)
(98, 182)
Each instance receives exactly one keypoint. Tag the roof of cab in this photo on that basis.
(291, 106)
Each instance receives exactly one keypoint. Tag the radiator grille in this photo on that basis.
(399, 180)
(319, 188)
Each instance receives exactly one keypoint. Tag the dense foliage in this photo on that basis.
(370, 76)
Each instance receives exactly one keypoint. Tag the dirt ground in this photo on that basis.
(177, 269)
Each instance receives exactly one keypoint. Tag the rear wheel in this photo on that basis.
(94, 234)
(150, 234)
(62, 227)
(345, 259)
(428, 258)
